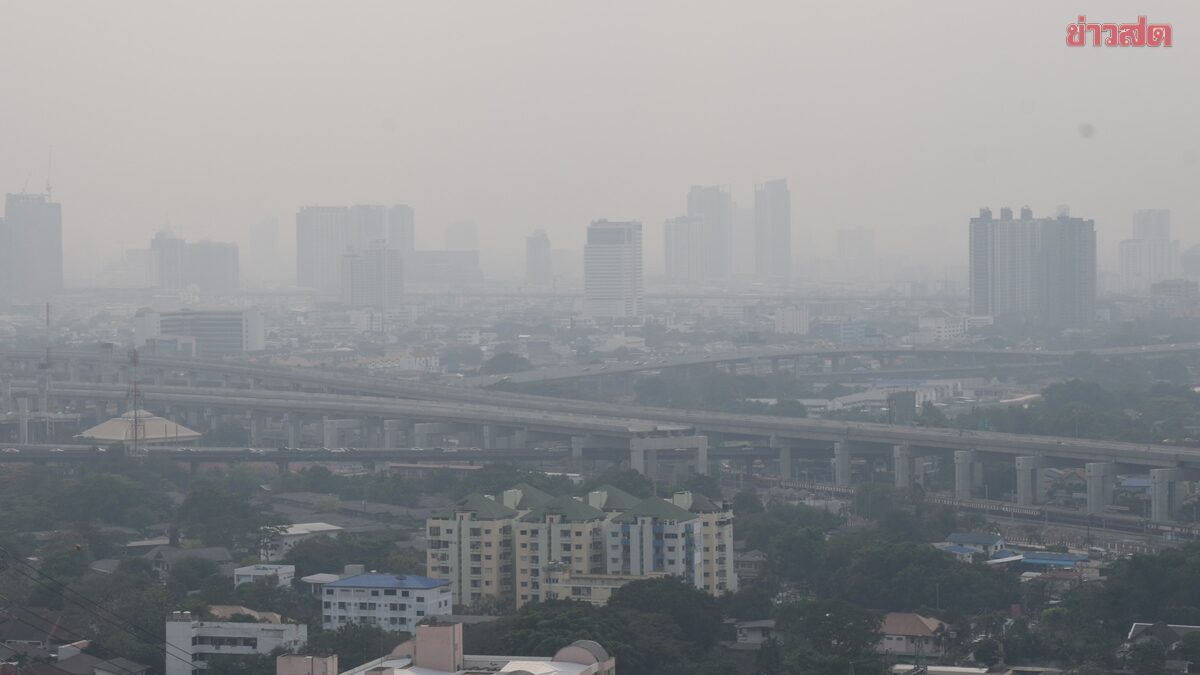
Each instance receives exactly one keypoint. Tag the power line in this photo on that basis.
(71, 633)
(98, 611)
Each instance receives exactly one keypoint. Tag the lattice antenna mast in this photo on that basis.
(135, 401)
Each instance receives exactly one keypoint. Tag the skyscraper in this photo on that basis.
(31, 252)
(612, 269)
(401, 229)
(539, 268)
(321, 239)
(325, 233)
(714, 206)
(373, 278)
(462, 236)
(212, 266)
(1033, 269)
(683, 244)
(773, 230)
(1150, 256)
(856, 243)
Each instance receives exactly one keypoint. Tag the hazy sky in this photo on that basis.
(521, 115)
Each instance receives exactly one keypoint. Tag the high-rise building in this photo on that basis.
(325, 233)
(714, 205)
(402, 229)
(31, 253)
(470, 544)
(612, 269)
(689, 536)
(373, 278)
(856, 243)
(773, 230)
(462, 236)
(1150, 256)
(212, 266)
(563, 531)
(539, 264)
(322, 236)
(1033, 269)
(683, 244)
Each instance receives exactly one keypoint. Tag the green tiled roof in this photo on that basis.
(702, 504)
(572, 511)
(655, 507)
(531, 497)
(482, 507)
(617, 499)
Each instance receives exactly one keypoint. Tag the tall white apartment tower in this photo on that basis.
(612, 269)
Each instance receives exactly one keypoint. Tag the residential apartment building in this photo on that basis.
(395, 603)
(470, 545)
(190, 642)
(373, 278)
(1033, 269)
(612, 270)
(1150, 256)
(539, 262)
(565, 532)
(689, 537)
(529, 546)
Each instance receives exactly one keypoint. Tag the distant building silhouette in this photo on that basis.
(462, 236)
(1150, 256)
(373, 278)
(773, 230)
(325, 233)
(856, 243)
(683, 245)
(1033, 269)
(612, 270)
(31, 251)
(539, 265)
(714, 206)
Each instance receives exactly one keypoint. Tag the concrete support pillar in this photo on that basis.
(488, 434)
(294, 425)
(1166, 496)
(841, 463)
(520, 438)
(395, 432)
(966, 474)
(577, 452)
(1029, 480)
(1100, 477)
(902, 464)
(23, 420)
(5, 395)
(329, 433)
(256, 428)
(702, 455)
(787, 459)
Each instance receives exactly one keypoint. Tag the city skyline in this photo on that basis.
(121, 164)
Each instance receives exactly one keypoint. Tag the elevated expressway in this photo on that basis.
(280, 403)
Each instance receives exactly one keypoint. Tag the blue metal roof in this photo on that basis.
(978, 538)
(960, 550)
(410, 581)
(1049, 559)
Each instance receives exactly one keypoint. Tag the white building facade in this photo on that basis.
(389, 601)
(191, 642)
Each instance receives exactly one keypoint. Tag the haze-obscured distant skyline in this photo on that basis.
(544, 115)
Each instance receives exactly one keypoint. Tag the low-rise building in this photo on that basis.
(190, 642)
(283, 574)
(986, 543)
(438, 650)
(908, 634)
(560, 582)
(283, 542)
(389, 601)
(755, 632)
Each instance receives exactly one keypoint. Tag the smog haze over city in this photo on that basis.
(662, 338)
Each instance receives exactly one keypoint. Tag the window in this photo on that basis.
(375, 593)
(390, 591)
(326, 604)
